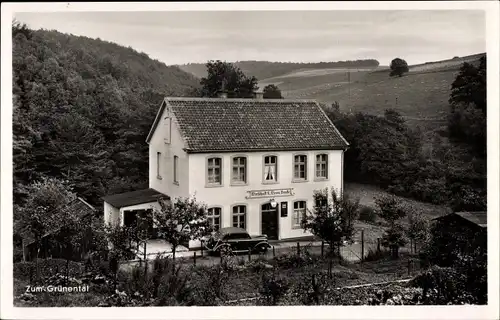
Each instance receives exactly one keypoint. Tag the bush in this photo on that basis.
(442, 286)
(47, 268)
(375, 255)
(273, 288)
(293, 260)
(367, 214)
(310, 290)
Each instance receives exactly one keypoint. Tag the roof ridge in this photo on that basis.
(240, 100)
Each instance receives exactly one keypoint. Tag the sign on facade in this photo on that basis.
(252, 194)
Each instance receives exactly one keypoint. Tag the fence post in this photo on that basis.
(322, 248)
(202, 247)
(330, 267)
(274, 253)
(362, 245)
(298, 248)
(378, 244)
(249, 254)
(194, 258)
(221, 257)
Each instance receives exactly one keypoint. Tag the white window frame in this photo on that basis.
(176, 170)
(221, 171)
(265, 166)
(321, 162)
(239, 166)
(158, 165)
(305, 164)
(239, 215)
(211, 217)
(296, 212)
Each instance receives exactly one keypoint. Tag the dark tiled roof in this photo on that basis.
(212, 124)
(134, 197)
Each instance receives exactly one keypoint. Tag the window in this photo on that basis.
(300, 167)
(213, 216)
(239, 216)
(158, 163)
(322, 166)
(176, 166)
(239, 170)
(168, 129)
(299, 213)
(320, 202)
(270, 169)
(214, 171)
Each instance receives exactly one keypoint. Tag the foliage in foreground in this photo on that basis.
(332, 218)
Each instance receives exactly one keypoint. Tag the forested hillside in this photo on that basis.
(82, 110)
(265, 69)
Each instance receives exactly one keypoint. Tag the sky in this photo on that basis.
(298, 36)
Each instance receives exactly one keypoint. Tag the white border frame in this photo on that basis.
(491, 9)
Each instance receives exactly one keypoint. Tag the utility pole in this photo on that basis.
(349, 84)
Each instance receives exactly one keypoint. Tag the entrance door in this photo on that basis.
(269, 221)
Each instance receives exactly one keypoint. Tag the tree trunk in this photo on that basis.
(145, 262)
(67, 270)
(173, 258)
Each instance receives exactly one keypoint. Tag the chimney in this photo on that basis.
(259, 95)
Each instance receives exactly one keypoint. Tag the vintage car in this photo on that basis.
(238, 240)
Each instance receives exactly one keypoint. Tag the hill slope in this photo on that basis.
(83, 108)
(421, 95)
(266, 69)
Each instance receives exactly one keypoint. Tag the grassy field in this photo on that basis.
(368, 193)
(421, 95)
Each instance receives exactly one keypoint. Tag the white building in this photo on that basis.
(254, 162)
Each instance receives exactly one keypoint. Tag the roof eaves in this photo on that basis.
(156, 121)
(188, 150)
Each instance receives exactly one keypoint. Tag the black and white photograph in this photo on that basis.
(228, 155)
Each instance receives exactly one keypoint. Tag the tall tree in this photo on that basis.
(398, 67)
(224, 76)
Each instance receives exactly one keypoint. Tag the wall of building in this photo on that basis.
(111, 214)
(227, 195)
(168, 141)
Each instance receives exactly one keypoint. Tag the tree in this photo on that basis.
(181, 221)
(224, 76)
(43, 212)
(332, 221)
(398, 67)
(20, 28)
(272, 92)
(391, 210)
(469, 85)
(467, 119)
(418, 227)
